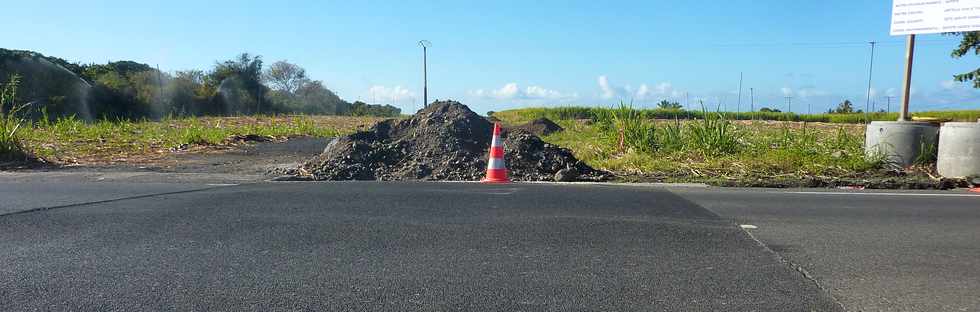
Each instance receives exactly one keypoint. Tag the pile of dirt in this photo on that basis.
(444, 141)
(541, 127)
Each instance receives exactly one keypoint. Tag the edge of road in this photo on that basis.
(796, 267)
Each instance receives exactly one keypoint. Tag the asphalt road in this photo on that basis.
(388, 247)
(875, 251)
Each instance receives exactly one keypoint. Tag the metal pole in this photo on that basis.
(909, 55)
(752, 95)
(867, 105)
(425, 44)
(738, 107)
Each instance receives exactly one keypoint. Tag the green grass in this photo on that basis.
(579, 112)
(11, 123)
(73, 140)
(714, 147)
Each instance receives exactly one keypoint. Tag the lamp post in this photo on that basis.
(425, 44)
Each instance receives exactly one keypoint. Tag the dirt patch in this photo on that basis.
(540, 127)
(445, 141)
(881, 179)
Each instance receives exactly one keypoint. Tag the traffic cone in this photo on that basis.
(496, 168)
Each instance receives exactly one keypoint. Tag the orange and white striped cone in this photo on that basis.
(496, 168)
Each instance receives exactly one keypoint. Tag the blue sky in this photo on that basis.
(505, 54)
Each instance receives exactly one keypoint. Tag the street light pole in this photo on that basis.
(867, 105)
(738, 107)
(425, 72)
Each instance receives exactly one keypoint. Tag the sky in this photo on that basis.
(496, 55)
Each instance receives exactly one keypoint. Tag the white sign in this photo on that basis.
(934, 16)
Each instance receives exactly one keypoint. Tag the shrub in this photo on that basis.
(635, 132)
(714, 135)
(11, 121)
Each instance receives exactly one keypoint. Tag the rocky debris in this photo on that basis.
(540, 127)
(445, 141)
(249, 138)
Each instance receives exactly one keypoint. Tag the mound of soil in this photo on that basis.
(541, 126)
(445, 141)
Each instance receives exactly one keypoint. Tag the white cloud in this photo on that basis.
(386, 94)
(512, 91)
(810, 92)
(644, 92)
(787, 91)
(891, 92)
(608, 91)
(509, 91)
(948, 84)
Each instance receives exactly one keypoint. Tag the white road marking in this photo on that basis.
(218, 184)
(749, 227)
(885, 194)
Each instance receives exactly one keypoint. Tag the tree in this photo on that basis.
(769, 110)
(239, 81)
(665, 104)
(845, 107)
(359, 108)
(971, 41)
(188, 94)
(285, 77)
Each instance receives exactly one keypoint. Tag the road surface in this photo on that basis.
(465, 246)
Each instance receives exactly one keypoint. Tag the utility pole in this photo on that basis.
(738, 107)
(909, 56)
(889, 109)
(425, 72)
(752, 96)
(789, 104)
(871, 66)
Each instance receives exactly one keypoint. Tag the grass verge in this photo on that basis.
(73, 141)
(580, 112)
(718, 150)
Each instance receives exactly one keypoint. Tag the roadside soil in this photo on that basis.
(247, 161)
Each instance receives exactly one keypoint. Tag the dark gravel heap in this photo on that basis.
(445, 141)
(541, 126)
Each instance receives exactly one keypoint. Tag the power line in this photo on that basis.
(827, 44)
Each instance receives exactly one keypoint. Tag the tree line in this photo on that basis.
(132, 90)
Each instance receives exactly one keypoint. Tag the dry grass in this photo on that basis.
(70, 141)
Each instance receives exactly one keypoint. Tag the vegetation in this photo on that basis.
(971, 41)
(134, 91)
(72, 140)
(710, 146)
(10, 121)
(581, 113)
(845, 107)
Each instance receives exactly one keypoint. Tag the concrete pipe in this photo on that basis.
(900, 142)
(959, 150)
